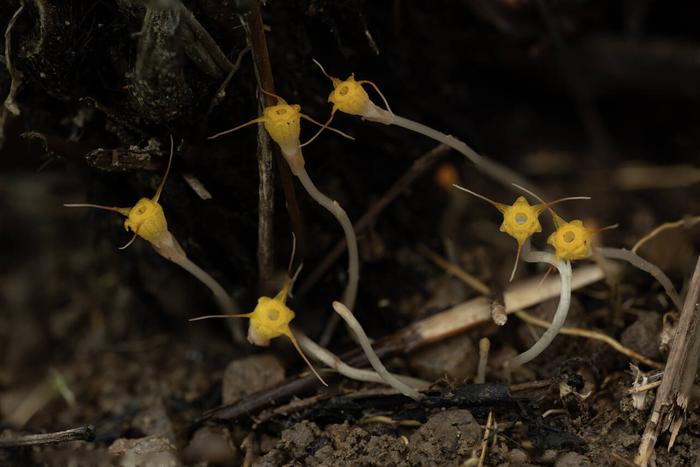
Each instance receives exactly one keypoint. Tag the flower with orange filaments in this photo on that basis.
(283, 123)
(269, 320)
(573, 240)
(146, 218)
(521, 219)
(350, 97)
(271, 317)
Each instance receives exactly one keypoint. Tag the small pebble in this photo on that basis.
(643, 334)
(150, 451)
(211, 445)
(517, 456)
(248, 375)
(456, 358)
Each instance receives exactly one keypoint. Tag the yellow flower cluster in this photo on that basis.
(571, 240)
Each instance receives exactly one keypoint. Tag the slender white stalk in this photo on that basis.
(169, 248)
(640, 263)
(493, 169)
(334, 208)
(331, 360)
(222, 298)
(564, 268)
(388, 378)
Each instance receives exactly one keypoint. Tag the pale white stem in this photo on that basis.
(564, 268)
(640, 263)
(493, 169)
(388, 378)
(222, 298)
(331, 360)
(484, 347)
(169, 248)
(334, 208)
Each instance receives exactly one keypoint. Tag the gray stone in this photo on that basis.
(150, 451)
(248, 375)
(456, 358)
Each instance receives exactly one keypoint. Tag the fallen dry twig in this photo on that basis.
(650, 177)
(640, 263)
(440, 326)
(83, 433)
(253, 25)
(455, 270)
(485, 440)
(589, 334)
(686, 222)
(682, 364)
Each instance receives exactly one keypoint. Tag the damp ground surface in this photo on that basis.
(587, 98)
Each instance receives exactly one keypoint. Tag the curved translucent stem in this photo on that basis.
(222, 298)
(640, 263)
(169, 248)
(331, 360)
(362, 338)
(564, 268)
(334, 208)
(496, 171)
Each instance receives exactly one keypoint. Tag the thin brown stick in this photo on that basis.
(674, 393)
(253, 26)
(201, 47)
(687, 223)
(595, 335)
(646, 266)
(83, 433)
(538, 384)
(455, 270)
(644, 387)
(221, 92)
(485, 439)
(436, 328)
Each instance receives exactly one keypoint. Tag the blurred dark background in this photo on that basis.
(582, 97)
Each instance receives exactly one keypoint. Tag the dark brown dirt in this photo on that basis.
(90, 335)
